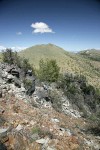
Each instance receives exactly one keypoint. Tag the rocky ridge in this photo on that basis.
(31, 122)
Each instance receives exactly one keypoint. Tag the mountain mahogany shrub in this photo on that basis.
(48, 70)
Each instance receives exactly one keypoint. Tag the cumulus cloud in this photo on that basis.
(41, 27)
(19, 33)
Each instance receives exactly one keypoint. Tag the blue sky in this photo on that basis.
(71, 24)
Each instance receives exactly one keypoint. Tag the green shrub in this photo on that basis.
(27, 83)
(25, 66)
(42, 133)
(36, 130)
(55, 100)
(11, 57)
(48, 70)
(79, 92)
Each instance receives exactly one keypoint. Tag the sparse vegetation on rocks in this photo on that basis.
(19, 70)
(80, 93)
(58, 112)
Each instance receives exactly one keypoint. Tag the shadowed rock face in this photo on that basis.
(14, 71)
(2, 146)
(31, 87)
(2, 120)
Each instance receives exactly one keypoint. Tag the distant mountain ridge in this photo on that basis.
(92, 54)
(80, 63)
(50, 51)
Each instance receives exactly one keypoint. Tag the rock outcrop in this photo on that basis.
(30, 119)
(11, 81)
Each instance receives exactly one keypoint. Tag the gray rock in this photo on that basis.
(10, 92)
(42, 141)
(4, 74)
(3, 86)
(1, 110)
(2, 121)
(3, 130)
(15, 72)
(23, 89)
(49, 148)
(0, 93)
(19, 127)
(3, 134)
(9, 76)
(68, 132)
(3, 95)
(4, 91)
(34, 136)
(1, 81)
(55, 120)
(30, 87)
(17, 82)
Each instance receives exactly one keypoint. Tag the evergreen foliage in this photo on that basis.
(79, 92)
(11, 57)
(48, 70)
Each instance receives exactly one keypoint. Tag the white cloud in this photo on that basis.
(18, 48)
(14, 48)
(19, 33)
(41, 27)
(2, 47)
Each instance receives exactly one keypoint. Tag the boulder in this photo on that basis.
(42, 141)
(55, 120)
(10, 78)
(42, 93)
(15, 72)
(19, 127)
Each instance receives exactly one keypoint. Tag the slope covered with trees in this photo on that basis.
(75, 63)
